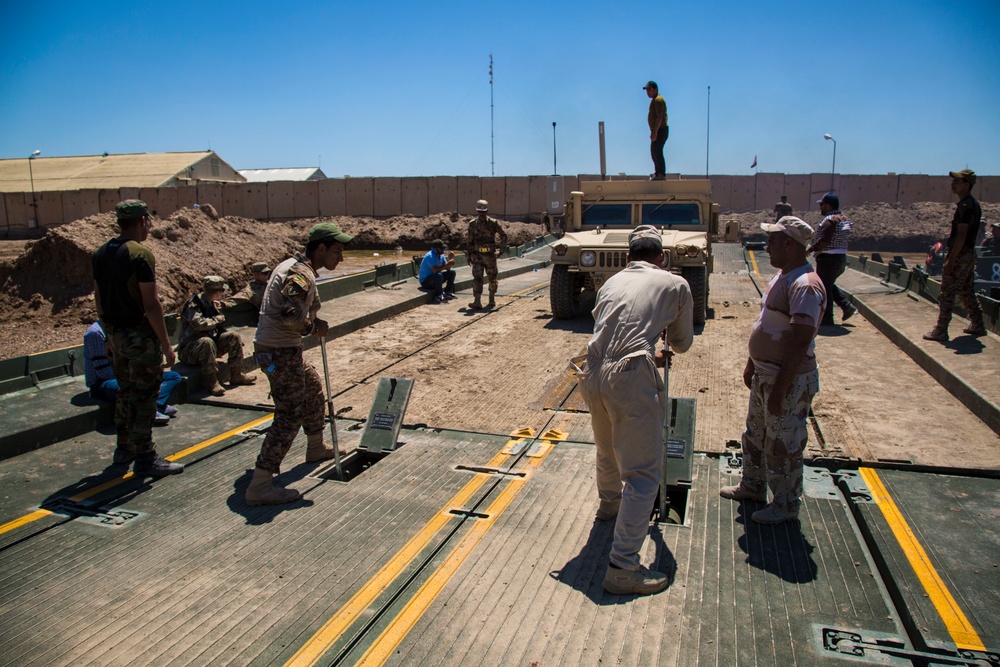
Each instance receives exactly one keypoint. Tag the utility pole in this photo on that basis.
(492, 163)
(554, 170)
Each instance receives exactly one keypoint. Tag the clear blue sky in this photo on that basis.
(402, 88)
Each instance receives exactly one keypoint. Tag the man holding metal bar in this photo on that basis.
(626, 397)
(287, 314)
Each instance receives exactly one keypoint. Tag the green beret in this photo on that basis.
(327, 229)
(131, 209)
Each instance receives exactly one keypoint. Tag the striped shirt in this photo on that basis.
(97, 365)
(832, 235)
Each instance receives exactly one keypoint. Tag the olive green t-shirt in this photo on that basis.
(657, 105)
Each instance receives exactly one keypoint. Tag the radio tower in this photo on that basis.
(492, 173)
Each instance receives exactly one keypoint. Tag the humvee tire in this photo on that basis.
(697, 279)
(566, 293)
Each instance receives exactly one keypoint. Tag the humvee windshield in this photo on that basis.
(616, 215)
(670, 214)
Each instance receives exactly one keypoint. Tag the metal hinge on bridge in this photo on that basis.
(890, 650)
(100, 516)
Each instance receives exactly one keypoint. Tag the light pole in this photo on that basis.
(31, 177)
(554, 170)
(833, 169)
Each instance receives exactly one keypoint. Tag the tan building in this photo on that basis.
(107, 172)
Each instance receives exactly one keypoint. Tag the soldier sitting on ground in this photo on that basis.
(203, 338)
(253, 293)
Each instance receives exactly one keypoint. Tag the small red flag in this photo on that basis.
(754, 162)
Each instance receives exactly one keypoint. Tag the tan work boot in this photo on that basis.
(640, 582)
(774, 514)
(212, 382)
(262, 492)
(476, 304)
(238, 378)
(492, 302)
(740, 492)
(937, 334)
(975, 329)
(317, 450)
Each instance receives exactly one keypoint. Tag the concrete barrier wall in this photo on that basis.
(512, 197)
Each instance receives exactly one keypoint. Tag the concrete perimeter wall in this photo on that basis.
(511, 198)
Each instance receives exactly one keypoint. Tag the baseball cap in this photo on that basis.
(966, 175)
(650, 84)
(327, 229)
(260, 267)
(437, 243)
(482, 205)
(214, 283)
(131, 209)
(792, 227)
(831, 199)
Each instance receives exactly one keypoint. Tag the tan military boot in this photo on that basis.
(317, 450)
(212, 382)
(262, 492)
(476, 304)
(492, 303)
(238, 378)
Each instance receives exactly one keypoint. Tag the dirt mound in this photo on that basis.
(880, 226)
(46, 292)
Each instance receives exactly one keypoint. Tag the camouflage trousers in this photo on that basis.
(298, 401)
(137, 360)
(483, 263)
(773, 446)
(204, 352)
(959, 282)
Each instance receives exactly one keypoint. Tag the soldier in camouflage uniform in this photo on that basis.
(203, 338)
(253, 293)
(782, 376)
(288, 312)
(132, 316)
(486, 240)
(958, 277)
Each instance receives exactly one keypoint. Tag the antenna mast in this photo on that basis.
(492, 173)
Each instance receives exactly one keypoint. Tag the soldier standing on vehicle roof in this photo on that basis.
(132, 315)
(204, 338)
(486, 241)
(659, 130)
(625, 396)
(288, 312)
(782, 376)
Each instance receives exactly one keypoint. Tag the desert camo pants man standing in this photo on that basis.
(486, 241)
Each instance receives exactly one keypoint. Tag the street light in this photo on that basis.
(833, 169)
(554, 170)
(31, 177)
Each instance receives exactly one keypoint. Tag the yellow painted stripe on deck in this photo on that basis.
(753, 262)
(393, 635)
(961, 631)
(327, 636)
(83, 495)
(27, 518)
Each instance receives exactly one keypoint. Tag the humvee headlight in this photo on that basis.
(680, 249)
(560, 249)
(693, 251)
(588, 258)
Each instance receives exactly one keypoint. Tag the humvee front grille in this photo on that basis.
(615, 259)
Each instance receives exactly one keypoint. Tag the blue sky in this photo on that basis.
(402, 88)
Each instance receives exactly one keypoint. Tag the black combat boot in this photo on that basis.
(151, 465)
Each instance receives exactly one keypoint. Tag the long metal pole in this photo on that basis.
(664, 501)
(330, 412)
(554, 170)
(31, 177)
(492, 163)
(833, 169)
(708, 128)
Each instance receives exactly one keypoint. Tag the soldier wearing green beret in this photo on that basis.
(287, 314)
(132, 317)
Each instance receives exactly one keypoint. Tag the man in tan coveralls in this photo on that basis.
(287, 314)
(203, 338)
(782, 376)
(625, 395)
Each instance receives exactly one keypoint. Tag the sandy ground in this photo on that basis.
(46, 295)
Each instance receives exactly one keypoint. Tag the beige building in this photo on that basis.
(104, 172)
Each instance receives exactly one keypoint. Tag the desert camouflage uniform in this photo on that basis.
(960, 282)
(287, 313)
(203, 338)
(253, 294)
(480, 247)
(136, 356)
(773, 446)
